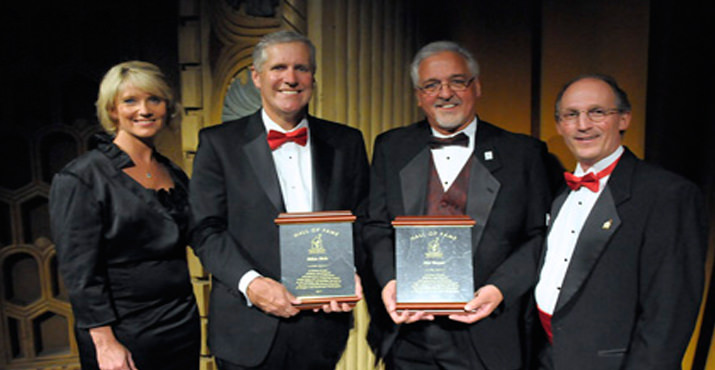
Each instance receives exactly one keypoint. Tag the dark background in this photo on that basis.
(53, 55)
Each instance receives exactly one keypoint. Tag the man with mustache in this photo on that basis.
(246, 172)
(622, 274)
(497, 178)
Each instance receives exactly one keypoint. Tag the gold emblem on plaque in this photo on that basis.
(316, 245)
(433, 249)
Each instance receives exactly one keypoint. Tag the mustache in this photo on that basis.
(441, 101)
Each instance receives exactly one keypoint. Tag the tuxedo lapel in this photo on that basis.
(486, 148)
(601, 224)
(483, 190)
(415, 174)
(483, 186)
(413, 180)
(260, 158)
(323, 154)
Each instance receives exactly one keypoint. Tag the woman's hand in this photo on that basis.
(111, 355)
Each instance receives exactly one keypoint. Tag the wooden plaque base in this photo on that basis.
(312, 303)
(432, 307)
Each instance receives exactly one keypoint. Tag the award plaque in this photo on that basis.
(317, 264)
(433, 262)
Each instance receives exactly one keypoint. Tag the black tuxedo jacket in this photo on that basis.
(632, 290)
(235, 197)
(508, 197)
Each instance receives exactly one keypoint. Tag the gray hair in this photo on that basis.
(438, 47)
(281, 37)
(622, 103)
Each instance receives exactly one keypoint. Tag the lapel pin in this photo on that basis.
(548, 219)
(607, 224)
(488, 155)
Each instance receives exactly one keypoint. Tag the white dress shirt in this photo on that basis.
(564, 234)
(294, 167)
(449, 160)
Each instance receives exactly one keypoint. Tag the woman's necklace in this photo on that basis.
(148, 170)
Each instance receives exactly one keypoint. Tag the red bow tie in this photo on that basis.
(590, 180)
(276, 139)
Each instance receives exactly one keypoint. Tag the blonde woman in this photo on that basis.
(119, 216)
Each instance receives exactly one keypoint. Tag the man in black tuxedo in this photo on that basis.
(497, 178)
(622, 273)
(248, 171)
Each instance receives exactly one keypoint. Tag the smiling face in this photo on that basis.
(286, 82)
(138, 113)
(591, 141)
(447, 111)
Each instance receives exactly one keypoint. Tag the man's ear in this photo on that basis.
(477, 87)
(256, 77)
(624, 121)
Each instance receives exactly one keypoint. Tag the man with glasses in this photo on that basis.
(622, 273)
(454, 163)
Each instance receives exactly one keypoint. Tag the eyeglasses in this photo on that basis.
(594, 114)
(455, 84)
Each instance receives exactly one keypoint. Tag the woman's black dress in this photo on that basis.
(121, 250)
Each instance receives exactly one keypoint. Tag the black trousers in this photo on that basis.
(545, 359)
(308, 341)
(439, 345)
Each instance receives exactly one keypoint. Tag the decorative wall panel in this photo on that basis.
(35, 315)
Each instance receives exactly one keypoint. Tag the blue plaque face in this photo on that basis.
(434, 264)
(317, 260)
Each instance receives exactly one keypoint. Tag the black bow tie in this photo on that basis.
(460, 139)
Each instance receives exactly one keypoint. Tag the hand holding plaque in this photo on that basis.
(317, 264)
(402, 316)
(433, 261)
(272, 297)
(485, 301)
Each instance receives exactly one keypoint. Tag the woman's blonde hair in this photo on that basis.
(142, 75)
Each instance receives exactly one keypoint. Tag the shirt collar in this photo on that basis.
(470, 131)
(269, 124)
(602, 164)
